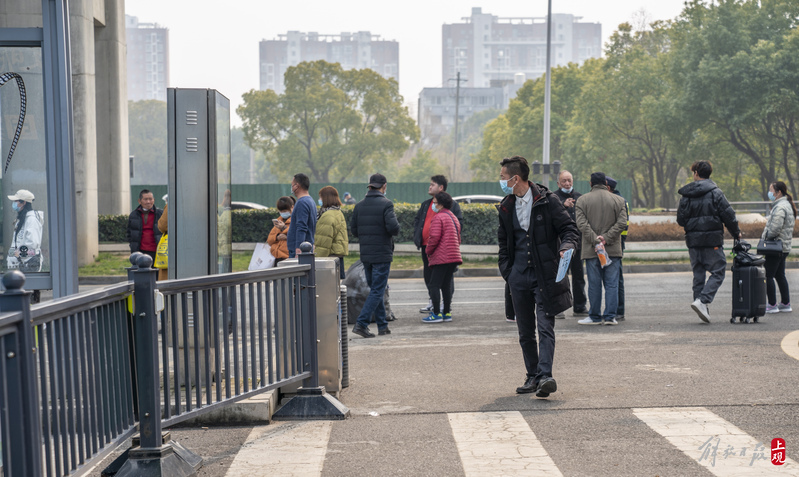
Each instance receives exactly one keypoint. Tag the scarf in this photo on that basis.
(325, 209)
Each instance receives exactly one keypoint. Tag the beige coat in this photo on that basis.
(600, 212)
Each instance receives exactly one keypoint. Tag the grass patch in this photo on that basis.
(106, 264)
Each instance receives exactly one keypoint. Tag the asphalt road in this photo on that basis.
(660, 394)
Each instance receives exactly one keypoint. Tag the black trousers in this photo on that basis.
(775, 269)
(578, 281)
(426, 272)
(509, 311)
(441, 278)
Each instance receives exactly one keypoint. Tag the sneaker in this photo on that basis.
(619, 317)
(433, 318)
(583, 311)
(772, 309)
(364, 332)
(560, 316)
(529, 386)
(611, 321)
(701, 310)
(784, 307)
(384, 332)
(447, 317)
(589, 321)
(426, 309)
(510, 319)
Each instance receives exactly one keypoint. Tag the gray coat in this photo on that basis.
(780, 223)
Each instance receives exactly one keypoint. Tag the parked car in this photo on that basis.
(246, 206)
(478, 199)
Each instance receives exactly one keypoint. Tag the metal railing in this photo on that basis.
(81, 374)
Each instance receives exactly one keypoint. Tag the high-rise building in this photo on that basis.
(489, 50)
(352, 50)
(148, 60)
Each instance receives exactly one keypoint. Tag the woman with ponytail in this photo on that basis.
(780, 226)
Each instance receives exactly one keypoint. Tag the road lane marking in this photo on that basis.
(285, 449)
(499, 443)
(790, 344)
(714, 443)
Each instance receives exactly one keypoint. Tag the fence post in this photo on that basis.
(156, 455)
(312, 401)
(22, 450)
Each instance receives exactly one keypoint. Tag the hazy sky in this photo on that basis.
(214, 44)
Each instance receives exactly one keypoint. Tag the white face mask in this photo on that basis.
(285, 215)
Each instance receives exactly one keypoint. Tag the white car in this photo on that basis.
(478, 199)
(246, 206)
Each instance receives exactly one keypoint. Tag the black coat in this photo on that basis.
(553, 230)
(703, 213)
(135, 225)
(421, 216)
(374, 223)
(563, 196)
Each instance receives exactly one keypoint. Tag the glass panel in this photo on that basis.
(223, 226)
(24, 238)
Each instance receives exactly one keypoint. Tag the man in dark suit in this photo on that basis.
(534, 232)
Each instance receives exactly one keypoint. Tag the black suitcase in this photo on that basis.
(748, 293)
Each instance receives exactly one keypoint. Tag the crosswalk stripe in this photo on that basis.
(720, 447)
(499, 443)
(287, 449)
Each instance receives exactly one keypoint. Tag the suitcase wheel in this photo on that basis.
(732, 320)
(746, 320)
(755, 319)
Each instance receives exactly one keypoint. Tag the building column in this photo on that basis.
(81, 22)
(113, 166)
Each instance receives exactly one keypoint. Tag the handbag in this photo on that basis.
(162, 253)
(769, 247)
(261, 257)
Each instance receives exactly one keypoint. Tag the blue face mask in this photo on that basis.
(15, 205)
(567, 191)
(435, 209)
(285, 215)
(503, 183)
(319, 202)
(770, 196)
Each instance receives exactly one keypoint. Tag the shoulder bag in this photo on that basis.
(769, 247)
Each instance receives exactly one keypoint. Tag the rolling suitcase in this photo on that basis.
(748, 293)
(748, 285)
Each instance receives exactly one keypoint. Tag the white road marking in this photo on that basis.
(285, 449)
(790, 344)
(717, 445)
(499, 443)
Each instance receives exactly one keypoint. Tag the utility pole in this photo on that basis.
(547, 91)
(457, 104)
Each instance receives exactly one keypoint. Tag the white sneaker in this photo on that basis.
(588, 321)
(701, 310)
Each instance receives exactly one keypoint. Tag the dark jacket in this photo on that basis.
(374, 223)
(703, 213)
(421, 216)
(572, 195)
(552, 230)
(135, 225)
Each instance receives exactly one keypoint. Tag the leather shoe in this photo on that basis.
(529, 386)
(384, 332)
(360, 330)
(546, 387)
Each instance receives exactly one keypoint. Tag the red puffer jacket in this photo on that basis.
(444, 245)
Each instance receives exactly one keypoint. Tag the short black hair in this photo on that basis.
(303, 181)
(440, 180)
(516, 166)
(284, 203)
(144, 191)
(702, 168)
(444, 200)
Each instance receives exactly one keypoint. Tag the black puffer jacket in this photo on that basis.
(553, 230)
(421, 216)
(374, 223)
(134, 230)
(703, 213)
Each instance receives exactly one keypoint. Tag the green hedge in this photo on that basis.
(479, 224)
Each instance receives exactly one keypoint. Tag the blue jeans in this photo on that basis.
(377, 279)
(597, 278)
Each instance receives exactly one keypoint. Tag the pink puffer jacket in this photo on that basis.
(444, 245)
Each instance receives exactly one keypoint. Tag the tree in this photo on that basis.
(330, 123)
(738, 65)
(148, 138)
(421, 168)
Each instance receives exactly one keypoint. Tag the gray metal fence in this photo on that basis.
(81, 374)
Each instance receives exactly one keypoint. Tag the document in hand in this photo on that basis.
(563, 266)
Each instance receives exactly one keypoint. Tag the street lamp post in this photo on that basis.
(545, 178)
